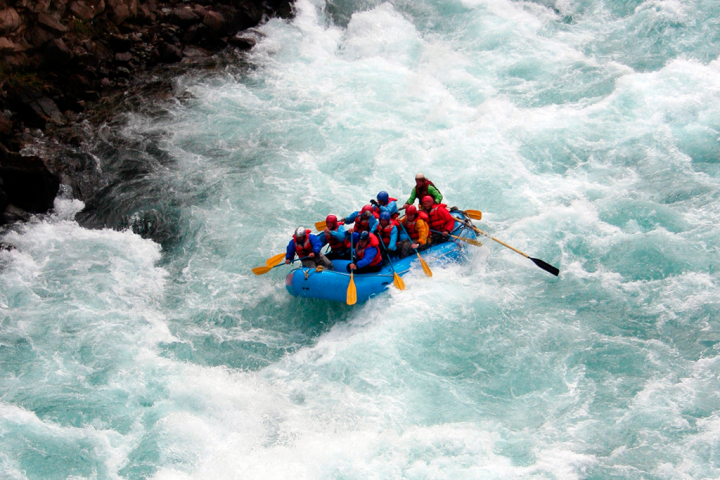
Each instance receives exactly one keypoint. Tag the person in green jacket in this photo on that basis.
(423, 187)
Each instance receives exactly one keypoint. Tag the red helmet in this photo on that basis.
(331, 220)
(366, 210)
(428, 198)
(411, 210)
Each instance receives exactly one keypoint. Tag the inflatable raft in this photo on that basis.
(333, 285)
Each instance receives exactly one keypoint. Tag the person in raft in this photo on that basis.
(423, 187)
(440, 219)
(385, 204)
(335, 236)
(388, 232)
(307, 247)
(416, 226)
(365, 220)
(367, 257)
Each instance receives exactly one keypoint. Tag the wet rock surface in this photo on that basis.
(62, 63)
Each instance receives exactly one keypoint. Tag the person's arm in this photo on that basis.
(403, 235)
(373, 224)
(339, 234)
(290, 251)
(391, 208)
(370, 253)
(412, 197)
(316, 244)
(351, 218)
(435, 193)
(392, 246)
(423, 231)
(449, 220)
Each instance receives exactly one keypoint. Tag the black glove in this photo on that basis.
(373, 202)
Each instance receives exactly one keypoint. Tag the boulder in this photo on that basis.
(6, 46)
(27, 182)
(40, 36)
(214, 20)
(169, 53)
(120, 10)
(58, 53)
(51, 22)
(82, 11)
(9, 20)
(123, 57)
(183, 17)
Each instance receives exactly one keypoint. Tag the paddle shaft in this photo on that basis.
(424, 265)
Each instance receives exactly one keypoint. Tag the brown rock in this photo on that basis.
(169, 53)
(194, 52)
(123, 57)
(27, 181)
(38, 6)
(40, 37)
(120, 11)
(9, 20)
(183, 17)
(82, 11)
(58, 53)
(6, 46)
(51, 23)
(214, 20)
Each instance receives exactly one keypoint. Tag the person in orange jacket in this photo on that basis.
(415, 233)
(440, 219)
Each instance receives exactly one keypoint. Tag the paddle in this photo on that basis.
(425, 267)
(474, 214)
(471, 241)
(351, 291)
(399, 284)
(278, 263)
(540, 263)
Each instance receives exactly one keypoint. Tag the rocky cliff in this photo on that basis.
(59, 57)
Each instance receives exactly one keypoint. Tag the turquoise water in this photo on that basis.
(586, 131)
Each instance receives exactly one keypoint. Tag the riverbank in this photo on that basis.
(62, 62)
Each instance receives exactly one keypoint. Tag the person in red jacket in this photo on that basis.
(367, 257)
(440, 219)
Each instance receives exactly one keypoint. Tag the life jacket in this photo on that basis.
(437, 222)
(410, 225)
(335, 244)
(425, 190)
(306, 248)
(362, 224)
(386, 231)
(374, 242)
(376, 209)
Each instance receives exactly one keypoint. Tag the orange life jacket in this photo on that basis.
(335, 244)
(386, 231)
(437, 222)
(410, 225)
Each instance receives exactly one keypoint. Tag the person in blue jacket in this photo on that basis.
(307, 247)
(366, 253)
(388, 232)
(364, 220)
(385, 204)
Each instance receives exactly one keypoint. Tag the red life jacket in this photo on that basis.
(385, 232)
(425, 190)
(306, 248)
(335, 244)
(362, 224)
(374, 242)
(410, 225)
(376, 209)
(437, 222)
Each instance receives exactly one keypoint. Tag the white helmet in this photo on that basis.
(420, 176)
(300, 232)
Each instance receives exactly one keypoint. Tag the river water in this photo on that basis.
(587, 131)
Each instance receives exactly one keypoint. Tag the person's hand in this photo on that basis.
(415, 245)
(406, 205)
(327, 230)
(352, 266)
(342, 220)
(312, 255)
(373, 202)
(445, 234)
(287, 261)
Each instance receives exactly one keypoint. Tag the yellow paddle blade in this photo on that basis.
(468, 240)
(320, 225)
(474, 214)
(399, 284)
(352, 291)
(261, 270)
(275, 260)
(425, 267)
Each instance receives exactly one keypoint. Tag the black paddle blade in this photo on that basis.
(545, 266)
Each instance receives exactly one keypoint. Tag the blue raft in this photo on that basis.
(333, 285)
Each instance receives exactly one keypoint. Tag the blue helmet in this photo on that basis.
(364, 235)
(385, 216)
(383, 197)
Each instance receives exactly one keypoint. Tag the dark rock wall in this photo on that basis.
(58, 57)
